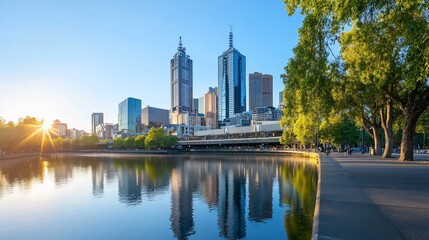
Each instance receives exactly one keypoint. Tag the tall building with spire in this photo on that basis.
(181, 86)
(231, 83)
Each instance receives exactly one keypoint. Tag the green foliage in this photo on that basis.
(129, 142)
(139, 142)
(26, 136)
(386, 58)
(67, 143)
(118, 143)
(88, 142)
(157, 138)
(340, 131)
(308, 80)
(105, 141)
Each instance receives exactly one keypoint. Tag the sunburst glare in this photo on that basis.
(45, 131)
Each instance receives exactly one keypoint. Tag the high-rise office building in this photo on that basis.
(210, 108)
(181, 85)
(201, 105)
(96, 119)
(129, 115)
(260, 90)
(231, 82)
(154, 117)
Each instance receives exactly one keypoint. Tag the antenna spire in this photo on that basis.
(230, 37)
(180, 44)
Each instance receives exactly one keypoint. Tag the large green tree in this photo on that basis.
(157, 138)
(399, 31)
(308, 83)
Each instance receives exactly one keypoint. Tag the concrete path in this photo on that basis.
(366, 197)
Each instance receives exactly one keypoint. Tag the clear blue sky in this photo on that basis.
(67, 59)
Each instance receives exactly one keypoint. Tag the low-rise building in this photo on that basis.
(105, 131)
(59, 129)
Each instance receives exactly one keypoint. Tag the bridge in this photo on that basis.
(257, 141)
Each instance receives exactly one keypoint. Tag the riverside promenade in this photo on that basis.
(367, 197)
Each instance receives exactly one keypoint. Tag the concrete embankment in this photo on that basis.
(366, 197)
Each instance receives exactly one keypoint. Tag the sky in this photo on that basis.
(67, 59)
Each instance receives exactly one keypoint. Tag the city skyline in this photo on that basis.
(65, 61)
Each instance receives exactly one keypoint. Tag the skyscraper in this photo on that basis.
(260, 90)
(154, 117)
(129, 115)
(181, 85)
(210, 108)
(231, 82)
(96, 119)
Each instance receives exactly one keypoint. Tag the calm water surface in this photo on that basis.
(157, 197)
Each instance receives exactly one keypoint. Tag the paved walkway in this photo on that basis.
(366, 197)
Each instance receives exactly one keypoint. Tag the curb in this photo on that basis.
(315, 231)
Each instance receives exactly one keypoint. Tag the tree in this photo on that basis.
(67, 143)
(340, 131)
(139, 141)
(377, 110)
(129, 142)
(155, 138)
(423, 127)
(399, 33)
(308, 82)
(118, 143)
(170, 141)
(88, 142)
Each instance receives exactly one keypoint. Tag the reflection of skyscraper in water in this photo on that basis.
(63, 172)
(182, 220)
(211, 183)
(232, 205)
(98, 179)
(129, 183)
(110, 170)
(261, 192)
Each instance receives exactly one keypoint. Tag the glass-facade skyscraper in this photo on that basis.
(129, 115)
(181, 84)
(96, 119)
(231, 83)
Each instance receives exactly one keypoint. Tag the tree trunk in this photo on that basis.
(377, 140)
(407, 143)
(386, 123)
(373, 128)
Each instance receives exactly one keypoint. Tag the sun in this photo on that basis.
(46, 126)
